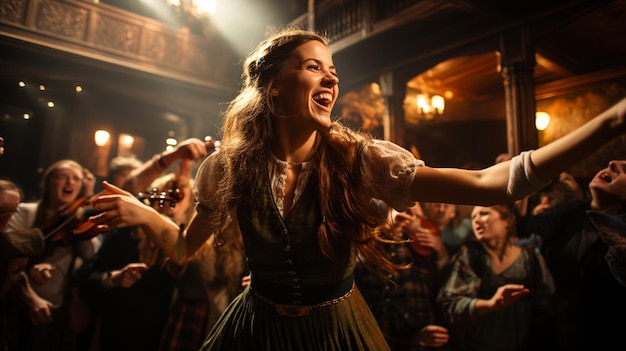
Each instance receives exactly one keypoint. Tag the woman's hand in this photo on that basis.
(39, 309)
(127, 276)
(433, 336)
(119, 208)
(41, 273)
(618, 114)
(89, 182)
(192, 148)
(506, 295)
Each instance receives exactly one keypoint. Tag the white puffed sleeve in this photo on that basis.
(389, 170)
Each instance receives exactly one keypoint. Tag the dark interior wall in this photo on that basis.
(67, 130)
(467, 144)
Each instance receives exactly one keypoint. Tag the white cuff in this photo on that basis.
(522, 178)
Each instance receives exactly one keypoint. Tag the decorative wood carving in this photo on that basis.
(120, 37)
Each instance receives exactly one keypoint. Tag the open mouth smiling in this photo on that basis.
(605, 177)
(323, 99)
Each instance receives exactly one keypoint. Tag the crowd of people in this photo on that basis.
(299, 233)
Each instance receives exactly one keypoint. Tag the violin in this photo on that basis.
(171, 196)
(432, 228)
(73, 222)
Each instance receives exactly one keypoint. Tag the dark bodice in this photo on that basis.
(285, 251)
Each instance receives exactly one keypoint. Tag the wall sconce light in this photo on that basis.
(126, 141)
(542, 119)
(430, 107)
(101, 137)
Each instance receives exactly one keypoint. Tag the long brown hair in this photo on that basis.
(346, 204)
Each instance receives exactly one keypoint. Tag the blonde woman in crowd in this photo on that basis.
(498, 295)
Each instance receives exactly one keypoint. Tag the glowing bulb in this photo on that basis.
(101, 137)
(127, 141)
(542, 119)
(438, 103)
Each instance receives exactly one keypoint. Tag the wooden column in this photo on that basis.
(517, 64)
(393, 91)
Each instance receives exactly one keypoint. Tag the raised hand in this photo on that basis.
(40, 273)
(192, 148)
(506, 295)
(127, 276)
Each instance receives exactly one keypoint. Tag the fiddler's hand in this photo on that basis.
(191, 149)
(39, 309)
(211, 143)
(118, 208)
(89, 181)
(40, 273)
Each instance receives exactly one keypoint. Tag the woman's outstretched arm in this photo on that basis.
(119, 208)
(512, 180)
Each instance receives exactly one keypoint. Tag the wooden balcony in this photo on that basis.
(101, 34)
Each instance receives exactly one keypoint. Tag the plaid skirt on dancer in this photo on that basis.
(252, 324)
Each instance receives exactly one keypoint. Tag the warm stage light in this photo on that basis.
(101, 137)
(430, 107)
(542, 120)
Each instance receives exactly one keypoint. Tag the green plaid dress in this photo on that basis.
(285, 253)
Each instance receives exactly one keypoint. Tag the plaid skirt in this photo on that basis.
(252, 324)
(186, 326)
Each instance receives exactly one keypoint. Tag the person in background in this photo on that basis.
(50, 284)
(206, 284)
(16, 249)
(127, 285)
(130, 173)
(612, 230)
(498, 295)
(589, 297)
(120, 169)
(10, 198)
(405, 305)
(453, 229)
(564, 188)
(190, 149)
(299, 188)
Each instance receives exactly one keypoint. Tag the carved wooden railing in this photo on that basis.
(348, 21)
(116, 36)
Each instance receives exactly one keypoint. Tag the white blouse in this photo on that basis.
(388, 169)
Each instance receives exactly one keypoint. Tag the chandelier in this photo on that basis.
(430, 107)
